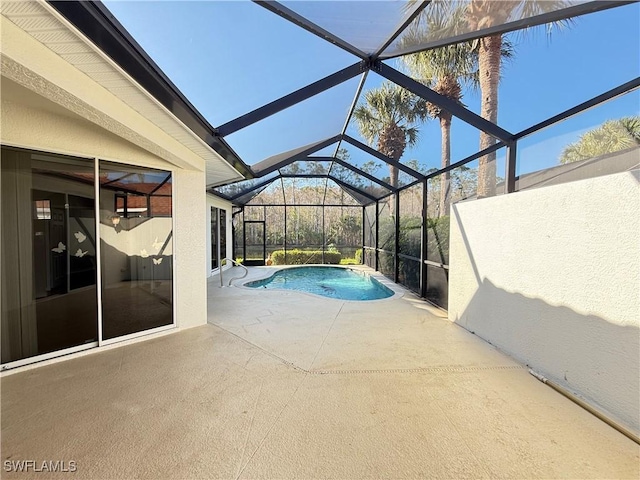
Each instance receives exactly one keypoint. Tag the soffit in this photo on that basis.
(43, 24)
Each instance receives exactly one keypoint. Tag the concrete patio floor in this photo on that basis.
(287, 385)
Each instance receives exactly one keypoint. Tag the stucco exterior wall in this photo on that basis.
(552, 276)
(190, 248)
(49, 128)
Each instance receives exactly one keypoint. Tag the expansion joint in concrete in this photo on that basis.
(436, 369)
(445, 369)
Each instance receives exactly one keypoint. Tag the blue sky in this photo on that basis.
(231, 57)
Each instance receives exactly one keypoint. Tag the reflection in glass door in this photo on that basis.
(136, 249)
(49, 297)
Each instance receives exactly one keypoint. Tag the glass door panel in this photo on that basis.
(218, 236)
(214, 238)
(49, 297)
(223, 235)
(136, 249)
(254, 243)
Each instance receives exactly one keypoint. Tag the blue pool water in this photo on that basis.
(332, 282)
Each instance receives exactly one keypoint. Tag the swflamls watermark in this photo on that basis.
(39, 466)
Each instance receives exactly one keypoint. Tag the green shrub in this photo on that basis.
(349, 261)
(438, 239)
(277, 257)
(410, 238)
(332, 258)
(301, 257)
(359, 256)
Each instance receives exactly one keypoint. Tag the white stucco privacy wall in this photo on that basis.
(552, 276)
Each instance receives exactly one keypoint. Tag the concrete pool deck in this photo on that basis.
(286, 385)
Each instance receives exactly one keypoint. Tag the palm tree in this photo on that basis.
(481, 14)
(387, 119)
(444, 70)
(612, 136)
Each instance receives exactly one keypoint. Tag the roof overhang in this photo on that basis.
(46, 53)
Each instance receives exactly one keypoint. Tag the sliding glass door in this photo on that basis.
(49, 297)
(136, 249)
(54, 244)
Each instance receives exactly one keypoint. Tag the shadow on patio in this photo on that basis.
(285, 385)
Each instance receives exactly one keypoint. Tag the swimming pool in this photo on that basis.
(332, 282)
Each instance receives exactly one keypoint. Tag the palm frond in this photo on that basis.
(412, 135)
(612, 136)
(632, 126)
(529, 8)
(387, 109)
